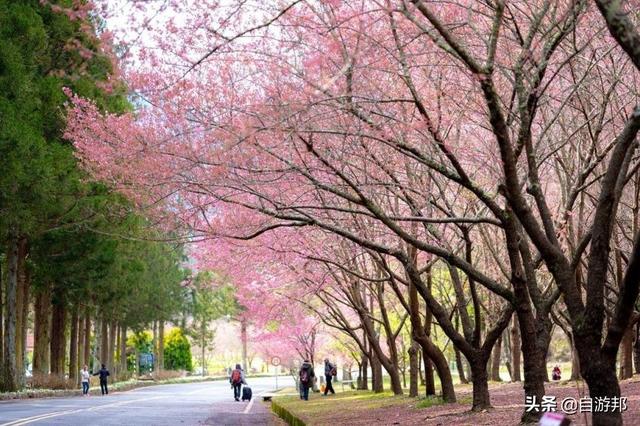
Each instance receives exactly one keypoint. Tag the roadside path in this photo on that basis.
(205, 403)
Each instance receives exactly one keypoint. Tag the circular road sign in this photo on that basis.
(275, 361)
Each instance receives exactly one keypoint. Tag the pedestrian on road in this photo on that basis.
(330, 372)
(103, 373)
(237, 380)
(307, 376)
(84, 374)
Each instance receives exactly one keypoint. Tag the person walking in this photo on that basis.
(84, 375)
(555, 374)
(237, 379)
(307, 376)
(103, 373)
(330, 372)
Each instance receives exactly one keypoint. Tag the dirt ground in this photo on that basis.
(507, 400)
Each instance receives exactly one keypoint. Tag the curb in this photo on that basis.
(286, 415)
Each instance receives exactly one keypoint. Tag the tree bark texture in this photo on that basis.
(413, 369)
(73, 346)
(42, 330)
(11, 382)
(58, 338)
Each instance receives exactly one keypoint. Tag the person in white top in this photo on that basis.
(85, 380)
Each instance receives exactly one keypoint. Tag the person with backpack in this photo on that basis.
(307, 376)
(237, 380)
(330, 372)
(103, 373)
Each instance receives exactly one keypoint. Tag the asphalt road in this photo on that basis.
(207, 403)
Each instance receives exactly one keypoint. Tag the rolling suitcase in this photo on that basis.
(246, 393)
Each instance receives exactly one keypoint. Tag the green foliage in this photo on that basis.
(141, 341)
(210, 298)
(177, 351)
(73, 226)
(137, 343)
(40, 184)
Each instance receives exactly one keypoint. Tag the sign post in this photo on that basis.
(275, 361)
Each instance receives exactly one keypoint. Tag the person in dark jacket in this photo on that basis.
(103, 373)
(555, 374)
(329, 373)
(236, 378)
(307, 376)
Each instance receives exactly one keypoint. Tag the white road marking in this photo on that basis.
(34, 419)
(248, 409)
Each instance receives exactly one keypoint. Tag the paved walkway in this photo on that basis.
(207, 403)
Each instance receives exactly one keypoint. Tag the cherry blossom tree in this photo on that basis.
(413, 135)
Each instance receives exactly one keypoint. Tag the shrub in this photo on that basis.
(140, 342)
(177, 351)
(168, 374)
(123, 376)
(50, 381)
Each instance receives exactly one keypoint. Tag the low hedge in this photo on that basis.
(286, 415)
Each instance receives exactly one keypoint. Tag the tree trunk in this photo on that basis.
(58, 339)
(429, 380)
(116, 352)
(137, 361)
(42, 330)
(495, 360)
(80, 340)
(104, 341)
(243, 339)
(97, 351)
(154, 345)
(460, 366)
(363, 375)
(202, 344)
(575, 363)
(87, 339)
(1, 326)
(22, 311)
(123, 348)
(390, 363)
(376, 374)
(11, 379)
(636, 349)
(430, 351)
(534, 330)
(481, 398)
(626, 355)
(19, 352)
(515, 350)
(603, 383)
(403, 347)
(414, 365)
(534, 347)
(73, 346)
(112, 344)
(161, 346)
(394, 375)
